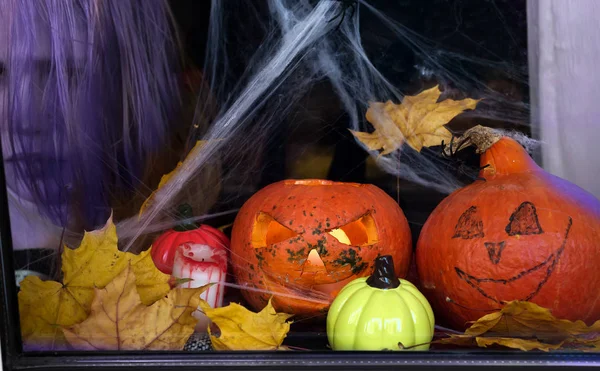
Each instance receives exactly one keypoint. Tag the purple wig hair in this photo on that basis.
(86, 120)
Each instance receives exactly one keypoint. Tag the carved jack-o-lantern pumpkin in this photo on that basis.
(518, 233)
(303, 240)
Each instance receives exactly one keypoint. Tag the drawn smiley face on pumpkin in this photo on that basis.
(303, 240)
(530, 276)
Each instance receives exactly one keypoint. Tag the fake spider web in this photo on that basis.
(289, 78)
(286, 79)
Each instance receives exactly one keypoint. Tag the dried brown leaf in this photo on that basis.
(419, 121)
(522, 344)
(527, 326)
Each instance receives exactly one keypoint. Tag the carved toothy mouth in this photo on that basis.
(503, 288)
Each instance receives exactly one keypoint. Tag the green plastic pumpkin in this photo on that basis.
(380, 312)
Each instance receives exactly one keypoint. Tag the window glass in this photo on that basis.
(283, 175)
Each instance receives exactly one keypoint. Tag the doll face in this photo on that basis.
(31, 229)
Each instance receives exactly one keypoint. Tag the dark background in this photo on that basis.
(495, 29)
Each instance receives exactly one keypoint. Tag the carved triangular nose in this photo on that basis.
(313, 263)
(494, 250)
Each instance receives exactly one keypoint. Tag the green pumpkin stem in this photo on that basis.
(383, 276)
(184, 214)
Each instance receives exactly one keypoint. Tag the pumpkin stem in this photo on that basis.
(479, 136)
(384, 277)
(500, 155)
(184, 214)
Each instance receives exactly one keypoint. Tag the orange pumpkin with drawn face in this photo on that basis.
(303, 240)
(518, 233)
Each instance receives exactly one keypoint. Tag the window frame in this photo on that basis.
(13, 357)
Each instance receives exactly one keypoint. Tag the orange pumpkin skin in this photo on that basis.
(520, 234)
(281, 225)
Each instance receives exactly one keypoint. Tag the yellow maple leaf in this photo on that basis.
(98, 260)
(45, 306)
(165, 178)
(527, 326)
(120, 321)
(241, 329)
(419, 121)
(151, 283)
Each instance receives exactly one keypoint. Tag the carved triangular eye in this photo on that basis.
(360, 232)
(267, 231)
(524, 221)
(469, 225)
